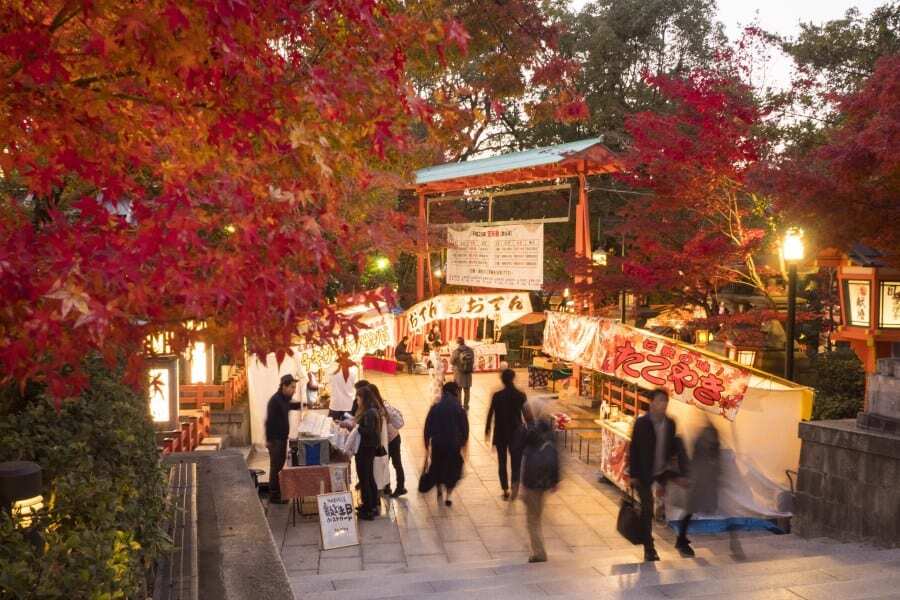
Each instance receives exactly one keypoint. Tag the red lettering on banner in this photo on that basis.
(649, 345)
(685, 359)
(625, 357)
(682, 377)
(668, 351)
(660, 363)
(703, 365)
(710, 390)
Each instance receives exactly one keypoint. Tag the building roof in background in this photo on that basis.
(537, 164)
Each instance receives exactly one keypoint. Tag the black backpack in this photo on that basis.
(540, 466)
(466, 360)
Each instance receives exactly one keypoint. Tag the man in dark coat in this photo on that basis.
(463, 361)
(653, 446)
(277, 429)
(508, 407)
(403, 354)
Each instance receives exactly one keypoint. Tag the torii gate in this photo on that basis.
(563, 161)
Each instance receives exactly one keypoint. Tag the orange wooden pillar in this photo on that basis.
(582, 230)
(423, 250)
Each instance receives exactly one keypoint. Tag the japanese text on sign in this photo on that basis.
(503, 308)
(367, 341)
(337, 520)
(502, 256)
(650, 362)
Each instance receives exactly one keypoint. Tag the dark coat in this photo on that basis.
(642, 450)
(277, 423)
(508, 409)
(703, 494)
(369, 429)
(447, 424)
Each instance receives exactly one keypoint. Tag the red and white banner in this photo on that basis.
(649, 361)
(502, 308)
(450, 330)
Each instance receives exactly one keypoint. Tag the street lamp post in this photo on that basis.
(792, 251)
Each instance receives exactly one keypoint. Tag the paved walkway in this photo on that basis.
(414, 531)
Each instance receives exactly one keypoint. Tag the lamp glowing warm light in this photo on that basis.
(230, 228)
(600, 257)
(438, 273)
(703, 337)
(566, 293)
(159, 395)
(792, 247)
(198, 362)
(746, 357)
(382, 263)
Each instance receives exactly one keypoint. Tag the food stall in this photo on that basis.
(756, 414)
(461, 315)
(263, 377)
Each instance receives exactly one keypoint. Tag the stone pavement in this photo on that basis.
(478, 547)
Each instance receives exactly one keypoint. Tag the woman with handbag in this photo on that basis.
(370, 430)
(446, 432)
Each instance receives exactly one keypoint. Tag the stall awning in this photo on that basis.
(532, 318)
(537, 164)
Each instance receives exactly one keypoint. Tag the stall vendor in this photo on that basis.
(433, 339)
(277, 428)
(403, 354)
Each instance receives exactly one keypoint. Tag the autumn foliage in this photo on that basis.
(165, 162)
(848, 189)
(694, 226)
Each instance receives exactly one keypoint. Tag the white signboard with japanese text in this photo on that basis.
(337, 520)
(502, 308)
(508, 257)
(378, 336)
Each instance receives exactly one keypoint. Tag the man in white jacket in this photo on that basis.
(342, 386)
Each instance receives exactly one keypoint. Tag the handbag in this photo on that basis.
(628, 524)
(351, 446)
(426, 481)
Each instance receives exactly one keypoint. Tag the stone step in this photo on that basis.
(550, 577)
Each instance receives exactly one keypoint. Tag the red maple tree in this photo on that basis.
(696, 225)
(848, 189)
(163, 162)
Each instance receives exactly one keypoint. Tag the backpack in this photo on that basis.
(394, 417)
(540, 468)
(466, 360)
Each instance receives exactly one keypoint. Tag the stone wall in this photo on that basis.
(849, 484)
(233, 423)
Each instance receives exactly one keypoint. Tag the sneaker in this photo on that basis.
(506, 494)
(367, 516)
(537, 559)
(684, 548)
(448, 502)
(650, 556)
(399, 492)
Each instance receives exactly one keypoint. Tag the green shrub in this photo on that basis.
(103, 487)
(840, 384)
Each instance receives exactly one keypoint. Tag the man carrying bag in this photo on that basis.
(653, 445)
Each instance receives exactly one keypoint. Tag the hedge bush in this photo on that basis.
(840, 384)
(103, 488)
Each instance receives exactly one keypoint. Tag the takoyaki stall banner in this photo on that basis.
(647, 360)
(502, 308)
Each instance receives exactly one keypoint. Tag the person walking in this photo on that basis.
(277, 428)
(703, 487)
(463, 362)
(653, 446)
(540, 474)
(342, 386)
(369, 421)
(507, 415)
(446, 432)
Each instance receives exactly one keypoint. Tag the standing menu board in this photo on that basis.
(337, 520)
(503, 256)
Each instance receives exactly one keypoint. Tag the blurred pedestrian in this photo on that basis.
(463, 362)
(508, 409)
(446, 432)
(540, 474)
(653, 446)
(703, 490)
